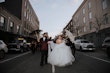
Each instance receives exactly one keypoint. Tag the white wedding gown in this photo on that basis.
(60, 55)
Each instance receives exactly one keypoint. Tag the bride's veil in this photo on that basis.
(70, 35)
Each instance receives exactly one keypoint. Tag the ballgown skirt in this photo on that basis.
(61, 55)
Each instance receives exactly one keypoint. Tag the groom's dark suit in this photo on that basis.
(44, 50)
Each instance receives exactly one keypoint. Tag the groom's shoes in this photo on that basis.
(46, 63)
(41, 64)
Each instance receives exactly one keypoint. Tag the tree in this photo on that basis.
(77, 26)
(98, 23)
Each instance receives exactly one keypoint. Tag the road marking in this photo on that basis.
(97, 58)
(15, 57)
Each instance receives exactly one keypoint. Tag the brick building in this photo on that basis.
(92, 21)
(23, 10)
(9, 25)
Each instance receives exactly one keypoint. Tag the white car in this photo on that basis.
(3, 49)
(82, 44)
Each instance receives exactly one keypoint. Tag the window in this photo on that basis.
(89, 5)
(104, 4)
(11, 24)
(27, 7)
(29, 11)
(84, 29)
(90, 25)
(18, 29)
(84, 20)
(27, 15)
(83, 11)
(2, 21)
(84, 41)
(29, 18)
(77, 41)
(90, 15)
(24, 13)
(105, 18)
(25, 3)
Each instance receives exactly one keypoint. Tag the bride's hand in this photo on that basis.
(48, 42)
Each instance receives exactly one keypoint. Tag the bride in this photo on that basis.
(60, 55)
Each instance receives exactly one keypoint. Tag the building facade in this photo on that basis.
(91, 21)
(23, 10)
(8, 23)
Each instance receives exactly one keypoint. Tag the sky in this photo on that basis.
(54, 15)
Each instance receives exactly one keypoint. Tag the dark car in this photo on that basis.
(106, 45)
(14, 47)
(17, 47)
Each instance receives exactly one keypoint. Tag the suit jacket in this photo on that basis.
(44, 44)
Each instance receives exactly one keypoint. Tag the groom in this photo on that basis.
(44, 48)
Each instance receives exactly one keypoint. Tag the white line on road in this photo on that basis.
(14, 57)
(97, 58)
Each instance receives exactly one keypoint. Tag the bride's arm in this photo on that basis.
(70, 36)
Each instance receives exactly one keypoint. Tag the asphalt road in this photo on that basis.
(86, 62)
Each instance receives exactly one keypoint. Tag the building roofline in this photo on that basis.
(76, 11)
(3, 8)
(80, 7)
(68, 23)
(33, 10)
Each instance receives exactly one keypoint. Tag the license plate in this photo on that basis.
(90, 48)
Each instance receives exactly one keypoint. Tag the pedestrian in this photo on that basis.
(38, 46)
(61, 54)
(44, 48)
(33, 47)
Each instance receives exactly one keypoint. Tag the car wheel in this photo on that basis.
(108, 51)
(21, 50)
(2, 54)
(80, 48)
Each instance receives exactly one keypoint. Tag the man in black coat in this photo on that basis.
(72, 46)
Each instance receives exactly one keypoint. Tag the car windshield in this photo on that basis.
(12, 46)
(20, 41)
(12, 42)
(0, 42)
(84, 41)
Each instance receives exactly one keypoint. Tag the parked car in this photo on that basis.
(82, 44)
(106, 45)
(18, 47)
(3, 49)
(14, 47)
